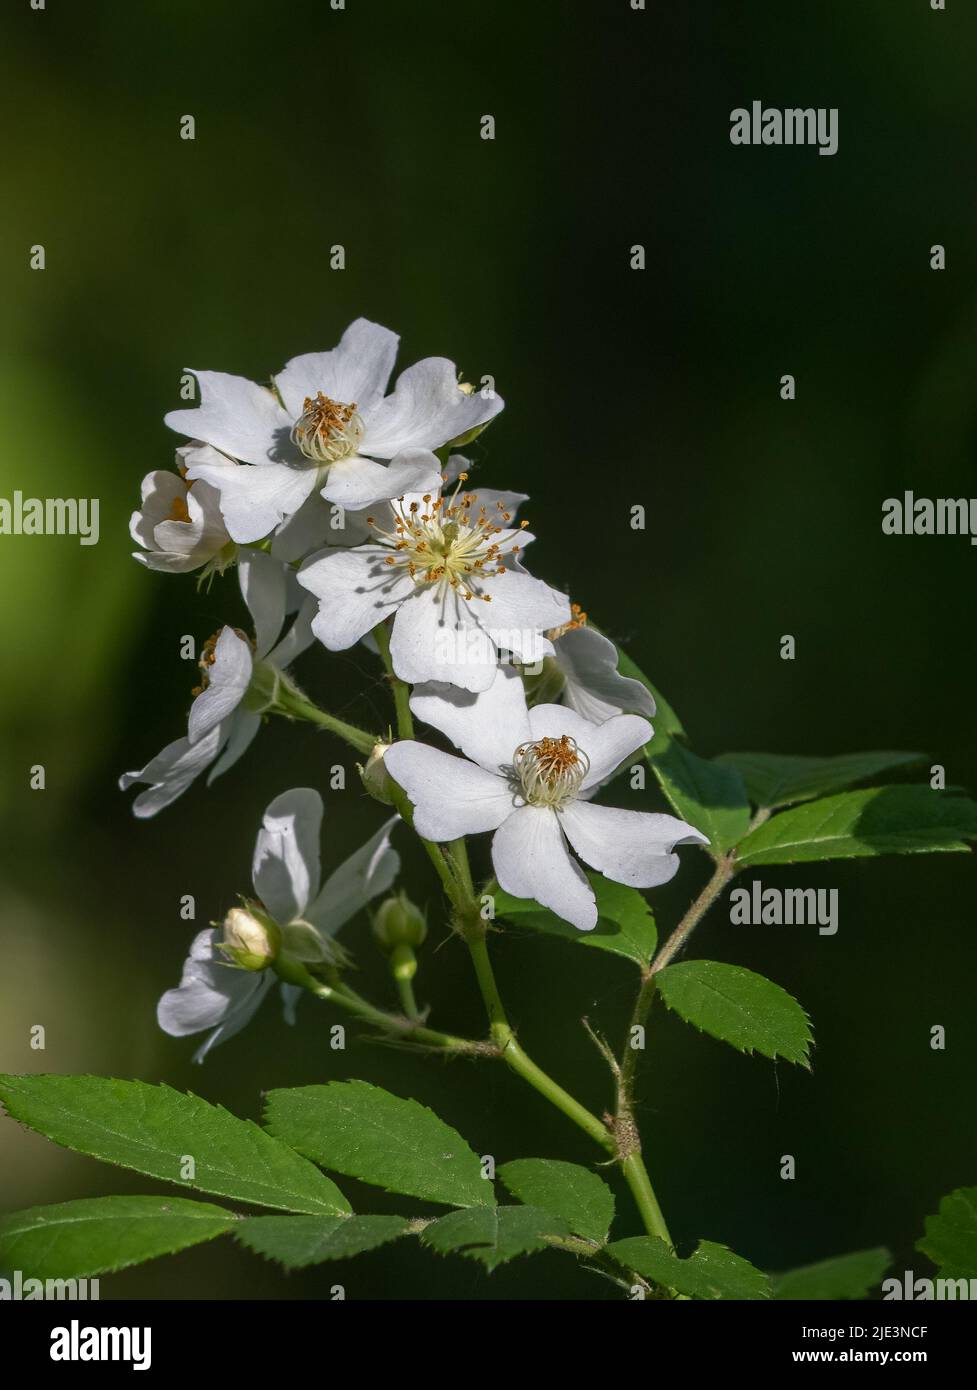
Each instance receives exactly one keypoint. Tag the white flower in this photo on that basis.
(527, 776)
(216, 994)
(180, 526)
(324, 426)
(593, 686)
(226, 713)
(448, 567)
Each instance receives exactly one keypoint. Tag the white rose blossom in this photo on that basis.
(216, 994)
(324, 427)
(180, 526)
(447, 566)
(226, 713)
(527, 776)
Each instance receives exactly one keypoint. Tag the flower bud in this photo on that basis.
(251, 938)
(399, 922)
(375, 777)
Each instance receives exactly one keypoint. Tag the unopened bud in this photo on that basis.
(399, 922)
(375, 777)
(251, 938)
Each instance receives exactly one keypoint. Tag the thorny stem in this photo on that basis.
(405, 1028)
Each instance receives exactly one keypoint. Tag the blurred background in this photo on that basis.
(657, 387)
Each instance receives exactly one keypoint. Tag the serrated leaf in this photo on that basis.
(154, 1130)
(951, 1235)
(383, 1139)
(843, 1276)
(711, 1271)
(493, 1235)
(709, 795)
(580, 1197)
(782, 779)
(738, 1007)
(879, 820)
(666, 721)
(97, 1235)
(625, 924)
(297, 1241)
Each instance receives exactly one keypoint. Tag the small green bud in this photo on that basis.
(398, 922)
(375, 777)
(251, 939)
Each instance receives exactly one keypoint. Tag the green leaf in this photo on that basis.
(297, 1241)
(155, 1130)
(96, 1235)
(780, 779)
(707, 794)
(738, 1007)
(665, 721)
(493, 1235)
(844, 1276)
(625, 924)
(711, 1271)
(367, 1133)
(879, 820)
(580, 1197)
(951, 1235)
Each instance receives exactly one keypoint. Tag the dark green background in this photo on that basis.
(657, 387)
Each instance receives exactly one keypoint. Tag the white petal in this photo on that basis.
(318, 523)
(243, 725)
(488, 727)
(451, 796)
(159, 490)
(299, 636)
(238, 417)
(171, 772)
(285, 867)
(241, 1015)
(366, 873)
(358, 483)
(606, 745)
(208, 991)
(594, 688)
(228, 678)
(426, 410)
(519, 611)
(436, 638)
(530, 859)
(355, 589)
(262, 581)
(356, 371)
(633, 847)
(253, 500)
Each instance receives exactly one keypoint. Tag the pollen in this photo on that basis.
(578, 618)
(455, 543)
(179, 511)
(550, 770)
(327, 430)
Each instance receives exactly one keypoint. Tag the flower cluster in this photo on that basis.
(351, 516)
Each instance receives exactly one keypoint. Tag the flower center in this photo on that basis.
(450, 541)
(179, 511)
(327, 430)
(550, 770)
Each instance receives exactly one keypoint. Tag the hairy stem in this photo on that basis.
(294, 705)
(397, 1025)
(401, 690)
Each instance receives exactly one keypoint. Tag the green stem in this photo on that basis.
(294, 705)
(519, 1061)
(636, 1176)
(406, 1028)
(401, 690)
